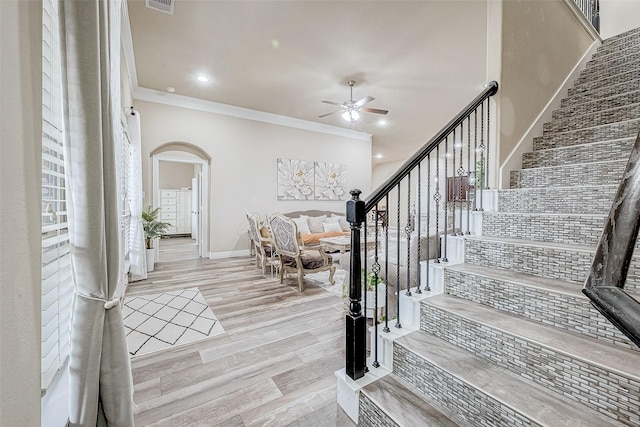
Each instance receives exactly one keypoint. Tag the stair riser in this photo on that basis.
(620, 40)
(544, 228)
(369, 415)
(553, 263)
(611, 51)
(592, 385)
(604, 117)
(569, 312)
(628, 129)
(597, 85)
(629, 67)
(581, 200)
(470, 405)
(598, 69)
(613, 150)
(605, 173)
(603, 92)
(598, 105)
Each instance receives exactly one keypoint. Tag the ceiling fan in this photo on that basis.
(351, 109)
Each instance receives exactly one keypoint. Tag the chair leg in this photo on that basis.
(281, 275)
(300, 280)
(331, 271)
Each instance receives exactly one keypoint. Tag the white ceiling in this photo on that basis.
(421, 60)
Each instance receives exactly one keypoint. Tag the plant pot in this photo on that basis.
(151, 259)
(371, 299)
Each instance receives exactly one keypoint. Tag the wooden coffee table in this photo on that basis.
(341, 243)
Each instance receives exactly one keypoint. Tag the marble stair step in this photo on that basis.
(624, 47)
(392, 401)
(619, 57)
(617, 66)
(562, 261)
(619, 85)
(585, 199)
(614, 101)
(619, 41)
(606, 132)
(598, 86)
(549, 301)
(598, 375)
(581, 153)
(598, 118)
(476, 389)
(602, 172)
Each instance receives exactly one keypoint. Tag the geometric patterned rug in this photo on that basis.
(158, 321)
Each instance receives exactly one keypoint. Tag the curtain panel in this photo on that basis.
(101, 391)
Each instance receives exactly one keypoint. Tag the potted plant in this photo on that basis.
(153, 229)
(372, 285)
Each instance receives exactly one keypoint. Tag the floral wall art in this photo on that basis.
(330, 181)
(295, 179)
(306, 180)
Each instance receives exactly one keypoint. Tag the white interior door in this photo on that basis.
(195, 209)
(200, 200)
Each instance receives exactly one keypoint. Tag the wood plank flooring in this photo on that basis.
(274, 366)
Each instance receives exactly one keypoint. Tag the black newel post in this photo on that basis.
(356, 322)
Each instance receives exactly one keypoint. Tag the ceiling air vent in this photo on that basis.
(165, 6)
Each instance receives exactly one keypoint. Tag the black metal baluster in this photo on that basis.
(486, 168)
(356, 323)
(364, 276)
(398, 324)
(446, 198)
(408, 230)
(419, 226)
(475, 160)
(436, 198)
(452, 191)
(375, 268)
(386, 265)
(481, 148)
(468, 174)
(426, 286)
(461, 173)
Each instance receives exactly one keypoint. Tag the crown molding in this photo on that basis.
(152, 95)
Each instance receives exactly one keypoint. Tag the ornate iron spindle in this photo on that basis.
(468, 175)
(408, 230)
(386, 266)
(426, 286)
(356, 323)
(398, 325)
(446, 197)
(364, 269)
(461, 173)
(375, 268)
(452, 191)
(486, 167)
(419, 226)
(481, 148)
(436, 198)
(475, 160)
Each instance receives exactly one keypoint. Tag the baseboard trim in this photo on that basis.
(228, 254)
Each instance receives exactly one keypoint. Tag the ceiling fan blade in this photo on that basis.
(328, 114)
(374, 110)
(364, 100)
(333, 103)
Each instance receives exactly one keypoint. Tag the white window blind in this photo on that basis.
(57, 287)
(125, 183)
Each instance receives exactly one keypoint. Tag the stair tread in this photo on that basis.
(617, 360)
(551, 245)
(603, 162)
(553, 285)
(543, 214)
(586, 144)
(543, 407)
(404, 403)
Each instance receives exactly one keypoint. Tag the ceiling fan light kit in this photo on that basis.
(352, 110)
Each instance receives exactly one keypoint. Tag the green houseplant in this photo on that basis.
(153, 229)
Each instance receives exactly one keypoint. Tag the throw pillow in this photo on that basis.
(332, 227)
(315, 223)
(303, 225)
(343, 222)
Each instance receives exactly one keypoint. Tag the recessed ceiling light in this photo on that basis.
(202, 78)
(379, 156)
(382, 122)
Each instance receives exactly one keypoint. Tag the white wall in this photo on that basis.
(175, 175)
(243, 166)
(618, 16)
(20, 192)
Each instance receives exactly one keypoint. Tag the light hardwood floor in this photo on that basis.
(273, 366)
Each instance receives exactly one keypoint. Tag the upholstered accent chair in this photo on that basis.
(293, 257)
(262, 243)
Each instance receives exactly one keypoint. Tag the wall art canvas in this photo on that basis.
(295, 179)
(330, 181)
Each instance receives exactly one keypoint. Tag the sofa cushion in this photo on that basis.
(330, 227)
(315, 223)
(303, 225)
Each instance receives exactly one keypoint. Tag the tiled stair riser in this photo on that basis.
(598, 68)
(598, 118)
(611, 394)
(582, 153)
(609, 132)
(591, 107)
(620, 41)
(553, 263)
(599, 85)
(545, 228)
(369, 415)
(607, 72)
(631, 83)
(604, 173)
(580, 200)
(570, 312)
(623, 47)
(469, 404)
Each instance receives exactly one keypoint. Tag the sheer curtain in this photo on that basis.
(101, 388)
(137, 250)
